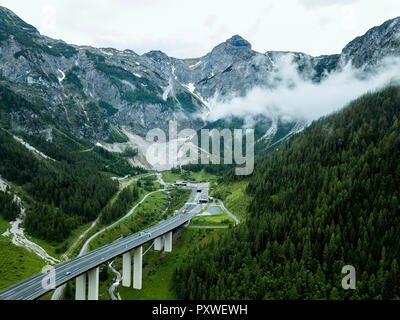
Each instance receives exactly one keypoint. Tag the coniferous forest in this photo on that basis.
(63, 191)
(327, 199)
(64, 194)
(9, 209)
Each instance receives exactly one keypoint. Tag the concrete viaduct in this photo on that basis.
(85, 269)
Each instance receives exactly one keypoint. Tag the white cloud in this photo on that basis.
(295, 98)
(325, 3)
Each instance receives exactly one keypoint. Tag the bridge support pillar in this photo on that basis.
(126, 269)
(93, 276)
(168, 242)
(158, 243)
(80, 288)
(137, 268)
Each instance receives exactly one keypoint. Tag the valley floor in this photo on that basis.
(158, 267)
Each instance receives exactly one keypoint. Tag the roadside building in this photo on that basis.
(203, 187)
(191, 184)
(180, 183)
(203, 198)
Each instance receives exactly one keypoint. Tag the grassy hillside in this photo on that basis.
(222, 219)
(156, 207)
(200, 176)
(16, 263)
(144, 215)
(234, 196)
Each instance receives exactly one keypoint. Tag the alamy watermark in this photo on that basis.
(349, 281)
(162, 152)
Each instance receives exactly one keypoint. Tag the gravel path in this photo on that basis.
(16, 232)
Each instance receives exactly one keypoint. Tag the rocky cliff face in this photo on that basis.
(95, 93)
(88, 90)
(378, 43)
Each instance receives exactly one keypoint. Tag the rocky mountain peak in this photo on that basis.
(238, 41)
(379, 42)
(157, 55)
(235, 47)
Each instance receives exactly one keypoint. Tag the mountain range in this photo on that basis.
(113, 97)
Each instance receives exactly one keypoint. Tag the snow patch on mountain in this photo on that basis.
(168, 90)
(173, 69)
(271, 131)
(106, 52)
(194, 66)
(191, 87)
(61, 79)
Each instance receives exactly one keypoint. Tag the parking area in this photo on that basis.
(212, 211)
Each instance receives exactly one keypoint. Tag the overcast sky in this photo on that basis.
(187, 28)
